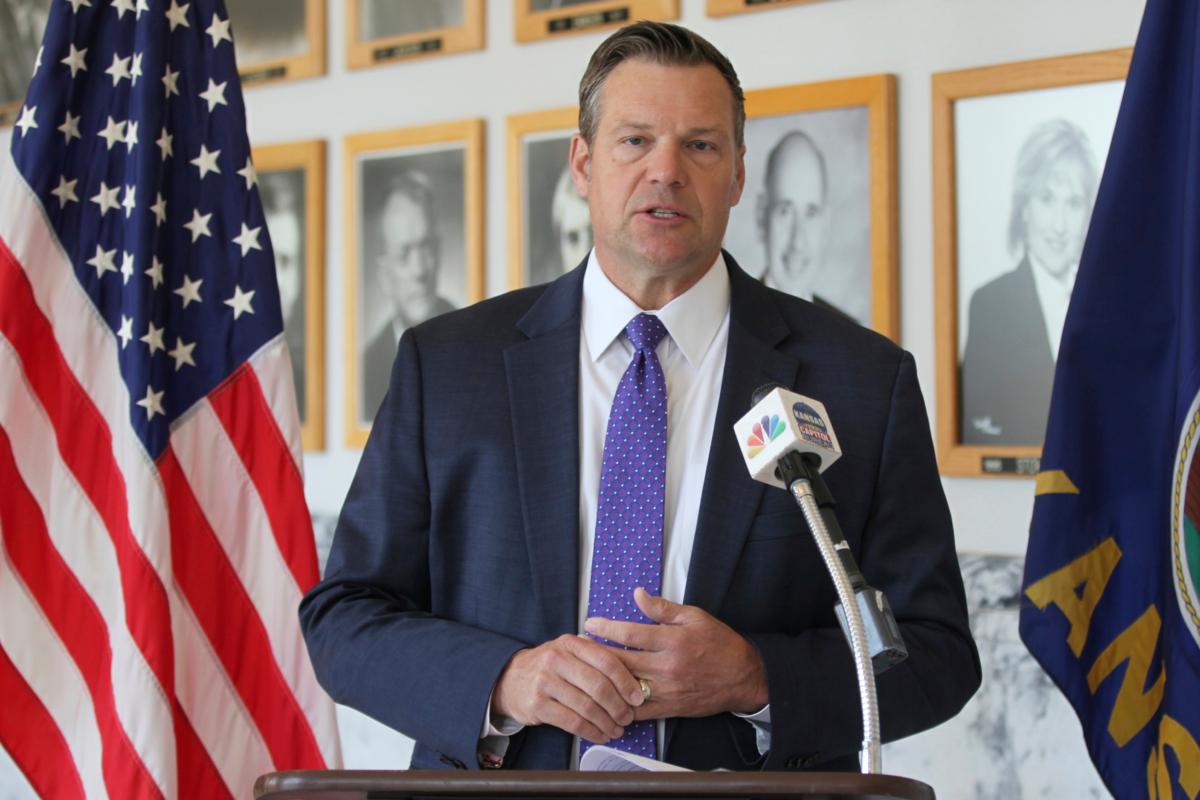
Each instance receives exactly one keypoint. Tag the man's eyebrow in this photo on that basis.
(705, 130)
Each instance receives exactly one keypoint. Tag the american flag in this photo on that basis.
(156, 541)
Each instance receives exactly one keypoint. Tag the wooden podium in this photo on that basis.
(488, 784)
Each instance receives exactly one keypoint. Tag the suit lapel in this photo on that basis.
(543, 390)
(730, 498)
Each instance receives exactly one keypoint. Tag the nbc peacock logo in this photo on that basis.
(768, 429)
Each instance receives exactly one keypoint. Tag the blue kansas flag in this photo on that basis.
(1111, 608)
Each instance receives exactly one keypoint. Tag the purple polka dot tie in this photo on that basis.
(629, 516)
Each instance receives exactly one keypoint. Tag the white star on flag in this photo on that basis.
(135, 72)
(170, 80)
(190, 290)
(126, 266)
(65, 192)
(155, 271)
(240, 302)
(37, 63)
(121, 6)
(177, 14)
(160, 210)
(248, 239)
(103, 261)
(131, 137)
(119, 69)
(113, 132)
(27, 121)
(142, 5)
(153, 338)
(219, 31)
(152, 402)
(214, 95)
(75, 4)
(182, 353)
(164, 143)
(70, 128)
(249, 173)
(106, 198)
(129, 203)
(125, 334)
(206, 162)
(199, 225)
(75, 59)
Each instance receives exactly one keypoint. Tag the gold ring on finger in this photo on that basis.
(645, 684)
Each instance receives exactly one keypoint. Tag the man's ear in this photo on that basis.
(580, 163)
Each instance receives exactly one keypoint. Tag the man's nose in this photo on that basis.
(666, 165)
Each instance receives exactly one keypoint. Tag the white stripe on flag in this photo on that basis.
(48, 668)
(83, 542)
(273, 366)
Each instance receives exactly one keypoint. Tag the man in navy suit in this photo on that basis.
(455, 593)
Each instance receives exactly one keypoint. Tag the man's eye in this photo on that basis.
(702, 145)
(635, 140)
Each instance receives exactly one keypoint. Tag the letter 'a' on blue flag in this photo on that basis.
(1110, 606)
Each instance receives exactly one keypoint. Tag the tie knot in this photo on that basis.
(645, 331)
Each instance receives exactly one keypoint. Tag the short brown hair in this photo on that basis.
(662, 43)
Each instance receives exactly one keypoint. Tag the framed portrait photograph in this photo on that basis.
(549, 19)
(385, 31)
(1018, 150)
(22, 23)
(278, 40)
(291, 183)
(414, 246)
(721, 8)
(549, 227)
(817, 217)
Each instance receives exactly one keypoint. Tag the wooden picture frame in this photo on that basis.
(273, 44)
(386, 31)
(22, 41)
(414, 203)
(723, 8)
(817, 217)
(548, 232)
(1051, 119)
(291, 184)
(535, 20)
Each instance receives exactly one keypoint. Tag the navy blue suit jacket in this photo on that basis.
(458, 543)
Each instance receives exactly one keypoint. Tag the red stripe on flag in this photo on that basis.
(74, 617)
(85, 444)
(232, 625)
(243, 411)
(33, 739)
(198, 776)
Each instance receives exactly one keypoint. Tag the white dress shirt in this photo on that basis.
(693, 361)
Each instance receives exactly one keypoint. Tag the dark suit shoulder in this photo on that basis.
(836, 335)
(488, 320)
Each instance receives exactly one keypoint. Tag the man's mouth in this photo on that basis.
(663, 213)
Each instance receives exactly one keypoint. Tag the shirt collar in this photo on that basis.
(692, 319)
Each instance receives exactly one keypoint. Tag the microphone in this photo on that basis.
(787, 441)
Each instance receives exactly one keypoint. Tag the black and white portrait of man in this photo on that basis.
(558, 227)
(284, 206)
(806, 209)
(412, 262)
(1027, 170)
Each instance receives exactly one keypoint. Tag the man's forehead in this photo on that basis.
(643, 94)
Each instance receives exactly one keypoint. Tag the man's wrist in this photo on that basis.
(754, 694)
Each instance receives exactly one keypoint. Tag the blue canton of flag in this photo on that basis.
(133, 134)
(1110, 604)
